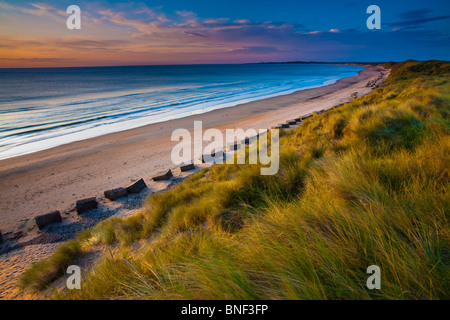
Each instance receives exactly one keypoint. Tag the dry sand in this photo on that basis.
(54, 179)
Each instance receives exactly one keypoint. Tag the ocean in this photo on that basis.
(46, 107)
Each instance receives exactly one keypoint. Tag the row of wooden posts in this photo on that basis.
(87, 204)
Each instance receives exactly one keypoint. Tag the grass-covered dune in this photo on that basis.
(364, 184)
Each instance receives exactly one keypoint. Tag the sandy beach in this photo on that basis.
(55, 179)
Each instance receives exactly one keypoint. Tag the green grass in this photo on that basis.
(37, 277)
(366, 183)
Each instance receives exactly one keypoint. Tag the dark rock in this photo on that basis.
(299, 119)
(187, 167)
(291, 122)
(86, 205)
(276, 127)
(249, 140)
(47, 219)
(284, 125)
(213, 157)
(235, 146)
(165, 176)
(115, 193)
(1, 237)
(137, 187)
(17, 235)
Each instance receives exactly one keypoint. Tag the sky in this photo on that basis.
(34, 33)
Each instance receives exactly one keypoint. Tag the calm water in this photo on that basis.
(44, 108)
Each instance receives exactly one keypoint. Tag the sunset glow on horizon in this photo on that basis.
(34, 34)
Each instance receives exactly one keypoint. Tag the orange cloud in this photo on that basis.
(139, 36)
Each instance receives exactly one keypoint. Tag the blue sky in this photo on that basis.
(33, 33)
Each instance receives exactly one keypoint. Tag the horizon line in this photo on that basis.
(242, 63)
(205, 64)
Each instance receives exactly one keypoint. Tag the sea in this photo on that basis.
(42, 108)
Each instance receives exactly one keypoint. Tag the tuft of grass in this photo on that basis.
(40, 274)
